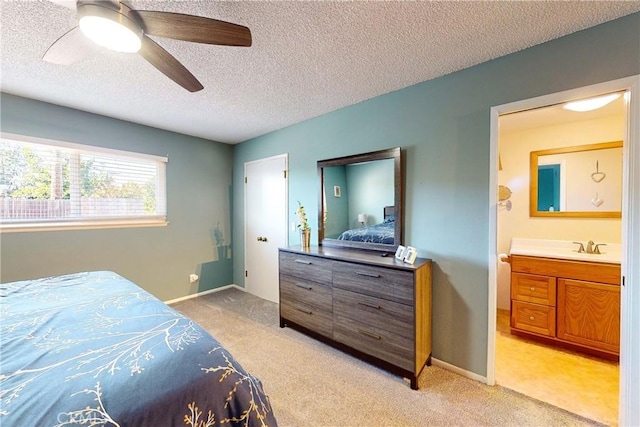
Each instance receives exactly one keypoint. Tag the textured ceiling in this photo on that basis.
(307, 58)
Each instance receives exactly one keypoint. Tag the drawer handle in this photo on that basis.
(301, 261)
(304, 311)
(532, 318)
(369, 334)
(533, 289)
(377, 276)
(377, 307)
(304, 287)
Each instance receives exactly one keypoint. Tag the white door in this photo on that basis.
(265, 224)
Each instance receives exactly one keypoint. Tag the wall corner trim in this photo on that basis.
(199, 294)
(459, 371)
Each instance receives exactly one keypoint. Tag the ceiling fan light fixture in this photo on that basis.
(109, 28)
(591, 103)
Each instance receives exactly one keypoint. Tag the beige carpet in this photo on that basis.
(312, 384)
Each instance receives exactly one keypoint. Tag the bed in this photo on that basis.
(95, 349)
(383, 232)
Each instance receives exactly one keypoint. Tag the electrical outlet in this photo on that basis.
(193, 278)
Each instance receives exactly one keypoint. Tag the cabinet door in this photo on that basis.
(589, 314)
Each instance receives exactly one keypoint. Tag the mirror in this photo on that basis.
(577, 182)
(360, 201)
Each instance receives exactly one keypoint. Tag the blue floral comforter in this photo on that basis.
(95, 349)
(378, 233)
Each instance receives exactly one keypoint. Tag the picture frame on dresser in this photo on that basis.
(410, 255)
(400, 252)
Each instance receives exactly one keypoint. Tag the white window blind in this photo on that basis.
(46, 183)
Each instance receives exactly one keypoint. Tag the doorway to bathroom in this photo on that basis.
(526, 365)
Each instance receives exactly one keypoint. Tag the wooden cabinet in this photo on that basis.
(572, 303)
(374, 307)
(589, 314)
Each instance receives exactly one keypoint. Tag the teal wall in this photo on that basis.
(371, 188)
(159, 259)
(337, 208)
(443, 126)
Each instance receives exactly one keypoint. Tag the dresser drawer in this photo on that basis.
(306, 267)
(376, 312)
(540, 319)
(387, 283)
(377, 342)
(301, 290)
(313, 318)
(533, 288)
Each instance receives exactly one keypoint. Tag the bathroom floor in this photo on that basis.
(581, 384)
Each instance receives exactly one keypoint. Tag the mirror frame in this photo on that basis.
(533, 183)
(392, 153)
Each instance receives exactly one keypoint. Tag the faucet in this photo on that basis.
(590, 247)
(593, 248)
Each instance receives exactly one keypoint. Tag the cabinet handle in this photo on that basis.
(533, 289)
(377, 276)
(377, 307)
(369, 334)
(299, 261)
(532, 318)
(304, 311)
(304, 287)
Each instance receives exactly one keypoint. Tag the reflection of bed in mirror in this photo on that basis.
(378, 233)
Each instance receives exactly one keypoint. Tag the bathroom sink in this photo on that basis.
(564, 249)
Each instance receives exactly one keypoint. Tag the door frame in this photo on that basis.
(285, 156)
(629, 401)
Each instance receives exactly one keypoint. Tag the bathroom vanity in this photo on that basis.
(567, 298)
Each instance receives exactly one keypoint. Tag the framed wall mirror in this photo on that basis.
(577, 182)
(360, 201)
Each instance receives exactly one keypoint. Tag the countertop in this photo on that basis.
(565, 249)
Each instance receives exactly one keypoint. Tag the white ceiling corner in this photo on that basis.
(307, 58)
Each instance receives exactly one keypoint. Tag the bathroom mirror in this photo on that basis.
(578, 182)
(360, 201)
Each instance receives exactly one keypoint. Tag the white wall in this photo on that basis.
(515, 148)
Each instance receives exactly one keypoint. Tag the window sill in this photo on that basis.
(81, 225)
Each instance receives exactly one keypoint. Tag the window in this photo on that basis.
(47, 184)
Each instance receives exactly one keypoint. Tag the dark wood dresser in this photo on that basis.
(371, 306)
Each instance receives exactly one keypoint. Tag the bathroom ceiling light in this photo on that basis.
(591, 103)
(109, 28)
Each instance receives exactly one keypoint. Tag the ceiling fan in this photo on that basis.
(117, 26)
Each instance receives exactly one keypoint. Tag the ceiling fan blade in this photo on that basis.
(168, 65)
(193, 28)
(71, 47)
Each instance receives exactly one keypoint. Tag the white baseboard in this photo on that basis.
(199, 294)
(459, 371)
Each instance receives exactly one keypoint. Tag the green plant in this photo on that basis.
(303, 223)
